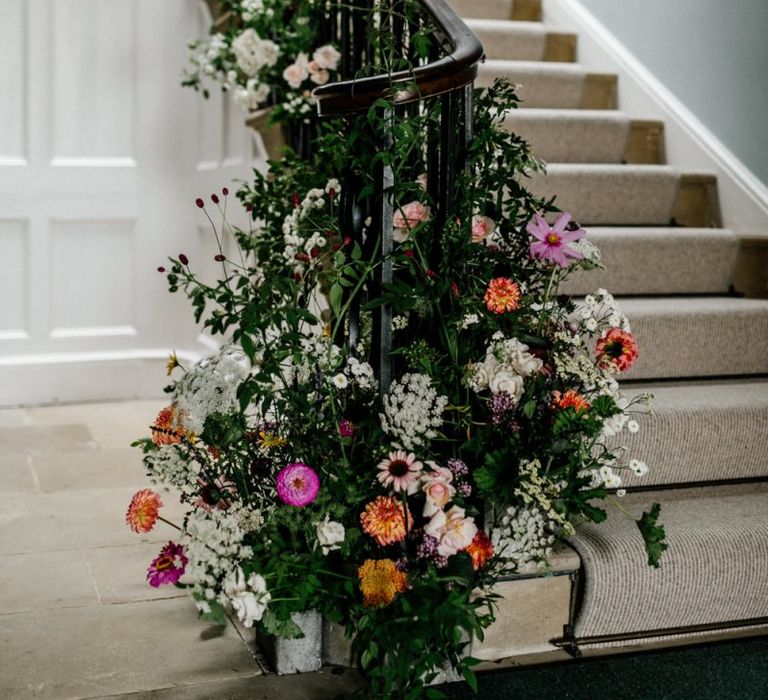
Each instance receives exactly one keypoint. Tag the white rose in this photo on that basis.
(340, 381)
(320, 77)
(252, 52)
(477, 377)
(248, 608)
(507, 383)
(327, 57)
(330, 534)
(523, 362)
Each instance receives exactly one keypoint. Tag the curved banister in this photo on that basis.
(457, 69)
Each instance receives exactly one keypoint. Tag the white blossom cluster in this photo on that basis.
(252, 53)
(469, 320)
(168, 468)
(214, 545)
(523, 536)
(299, 104)
(507, 362)
(248, 599)
(211, 386)
(250, 9)
(536, 490)
(599, 312)
(582, 370)
(295, 241)
(250, 96)
(413, 411)
(360, 373)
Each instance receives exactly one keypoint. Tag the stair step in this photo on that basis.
(714, 570)
(512, 41)
(552, 85)
(704, 431)
(674, 261)
(606, 194)
(572, 135)
(484, 9)
(698, 336)
(522, 41)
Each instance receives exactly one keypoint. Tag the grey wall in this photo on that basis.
(712, 54)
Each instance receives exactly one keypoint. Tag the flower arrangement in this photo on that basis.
(391, 507)
(266, 53)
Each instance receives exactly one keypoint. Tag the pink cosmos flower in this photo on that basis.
(482, 227)
(408, 217)
(168, 566)
(551, 241)
(400, 470)
(297, 484)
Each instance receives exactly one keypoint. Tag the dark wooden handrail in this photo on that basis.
(448, 73)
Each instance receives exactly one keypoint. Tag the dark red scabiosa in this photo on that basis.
(215, 198)
(161, 269)
(296, 200)
(183, 259)
(219, 258)
(200, 202)
(225, 191)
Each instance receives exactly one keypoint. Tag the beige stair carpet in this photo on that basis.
(559, 85)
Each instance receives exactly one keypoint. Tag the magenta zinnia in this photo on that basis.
(551, 241)
(400, 470)
(143, 510)
(297, 484)
(169, 566)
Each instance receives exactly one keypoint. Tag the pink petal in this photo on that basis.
(561, 222)
(569, 236)
(540, 249)
(572, 253)
(558, 256)
(538, 228)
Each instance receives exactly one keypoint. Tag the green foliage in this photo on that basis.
(653, 535)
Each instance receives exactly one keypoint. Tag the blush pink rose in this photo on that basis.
(482, 227)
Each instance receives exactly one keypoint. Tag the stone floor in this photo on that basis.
(77, 618)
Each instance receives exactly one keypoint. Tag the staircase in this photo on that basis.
(704, 350)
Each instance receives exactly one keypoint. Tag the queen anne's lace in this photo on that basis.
(413, 411)
(168, 468)
(211, 387)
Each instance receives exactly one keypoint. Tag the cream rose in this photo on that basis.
(330, 534)
(482, 227)
(327, 57)
(452, 530)
(297, 72)
(507, 383)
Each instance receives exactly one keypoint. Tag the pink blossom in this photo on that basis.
(408, 217)
(327, 57)
(347, 428)
(452, 530)
(168, 566)
(297, 72)
(551, 241)
(400, 471)
(482, 227)
(297, 484)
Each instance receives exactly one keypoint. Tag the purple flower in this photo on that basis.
(427, 549)
(168, 566)
(297, 484)
(551, 241)
(457, 466)
(502, 407)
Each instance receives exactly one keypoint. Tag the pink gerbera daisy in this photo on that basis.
(168, 566)
(297, 484)
(400, 470)
(551, 241)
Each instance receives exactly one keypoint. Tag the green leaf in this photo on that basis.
(287, 629)
(653, 535)
(334, 298)
(529, 408)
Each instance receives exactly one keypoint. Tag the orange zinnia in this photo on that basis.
(384, 519)
(142, 513)
(380, 581)
(480, 549)
(570, 399)
(502, 295)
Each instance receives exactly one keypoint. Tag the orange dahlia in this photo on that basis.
(502, 295)
(380, 581)
(480, 549)
(570, 399)
(617, 349)
(142, 513)
(168, 428)
(384, 519)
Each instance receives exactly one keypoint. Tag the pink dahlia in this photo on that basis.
(551, 241)
(297, 484)
(617, 349)
(400, 470)
(169, 566)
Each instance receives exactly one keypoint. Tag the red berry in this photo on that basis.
(219, 258)
(431, 273)
(183, 259)
(408, 253)
(225, 191)
(215, 198)
(347, 240)
(455, 290)
(200, 203)
(161, 269)
(296, 199)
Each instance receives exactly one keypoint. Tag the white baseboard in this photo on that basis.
(690, 145)
(87, 376)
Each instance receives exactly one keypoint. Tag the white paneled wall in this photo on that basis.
(102, 154)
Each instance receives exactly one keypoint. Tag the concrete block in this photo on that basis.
(296, 655)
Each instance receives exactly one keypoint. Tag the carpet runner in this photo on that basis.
(701, 347)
